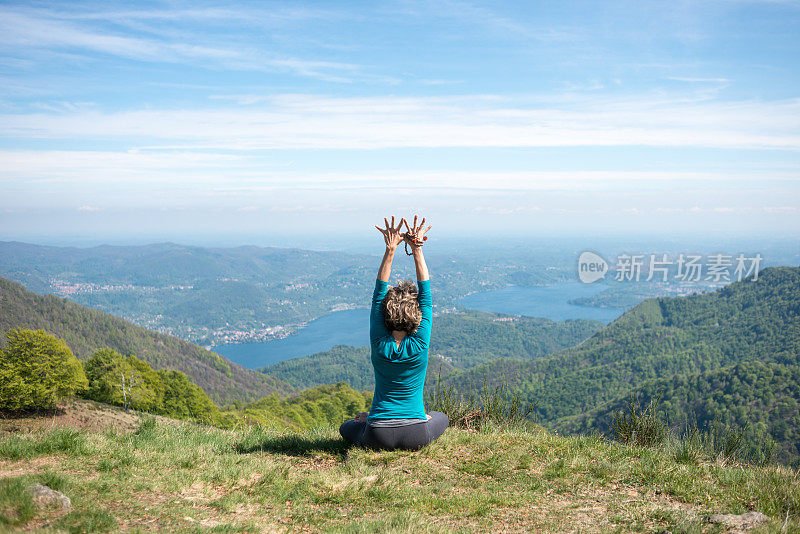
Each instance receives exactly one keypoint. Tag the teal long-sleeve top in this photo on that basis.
(399, 370)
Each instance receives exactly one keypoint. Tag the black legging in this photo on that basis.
(411, 436)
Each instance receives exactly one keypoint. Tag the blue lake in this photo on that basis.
(551, 302)
(351, 327)
(348, 327)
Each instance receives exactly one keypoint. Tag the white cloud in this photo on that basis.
(308, 121)
(245, 172)
(690, 79)
(781, 209)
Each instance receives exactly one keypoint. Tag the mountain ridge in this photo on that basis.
(86, 330)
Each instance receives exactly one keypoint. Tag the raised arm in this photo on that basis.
(415, 236)
(385, 270)
(392, 237)
(422, 267)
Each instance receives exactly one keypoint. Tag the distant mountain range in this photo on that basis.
(192, 292)
(212, 295)
(86, 330)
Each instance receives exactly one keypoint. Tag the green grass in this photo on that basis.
(177, 476)
(61, 440)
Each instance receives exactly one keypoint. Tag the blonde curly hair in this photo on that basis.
(401, 308)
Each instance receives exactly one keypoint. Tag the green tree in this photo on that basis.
(36, 370)
(318, 406)
(183, 399)
(150, 397)
(125, 381)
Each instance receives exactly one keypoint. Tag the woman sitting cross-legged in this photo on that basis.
(400, 332)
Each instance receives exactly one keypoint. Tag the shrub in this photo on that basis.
(717, 443)
(36, 370)
(635, 426)
(500, 405)
(723, 443)
(688, 448)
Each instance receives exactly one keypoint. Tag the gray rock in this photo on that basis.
(50, 499)
(739, 522)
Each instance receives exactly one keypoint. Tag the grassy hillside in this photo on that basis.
(178, 477)
(85, 330)
(458, 341)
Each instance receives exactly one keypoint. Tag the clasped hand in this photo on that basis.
(414, 235)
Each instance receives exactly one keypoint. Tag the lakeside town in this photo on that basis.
(252, 331)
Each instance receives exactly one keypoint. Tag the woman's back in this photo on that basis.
(397, 418)
(399, 370)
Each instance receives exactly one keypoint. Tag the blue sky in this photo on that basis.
(234, 119)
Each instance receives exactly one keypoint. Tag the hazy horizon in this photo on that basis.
(777, 250)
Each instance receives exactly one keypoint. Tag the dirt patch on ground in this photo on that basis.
(83, 414)
(24, 467)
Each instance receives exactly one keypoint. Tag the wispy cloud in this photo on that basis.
(56, 31)
(691, 79)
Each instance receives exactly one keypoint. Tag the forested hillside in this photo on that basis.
(758, 397)
(341, 364)
(458, 341)
(86, 330)
(662, 338)
(327, 405)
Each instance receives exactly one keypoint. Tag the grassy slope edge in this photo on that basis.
(176, 476)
